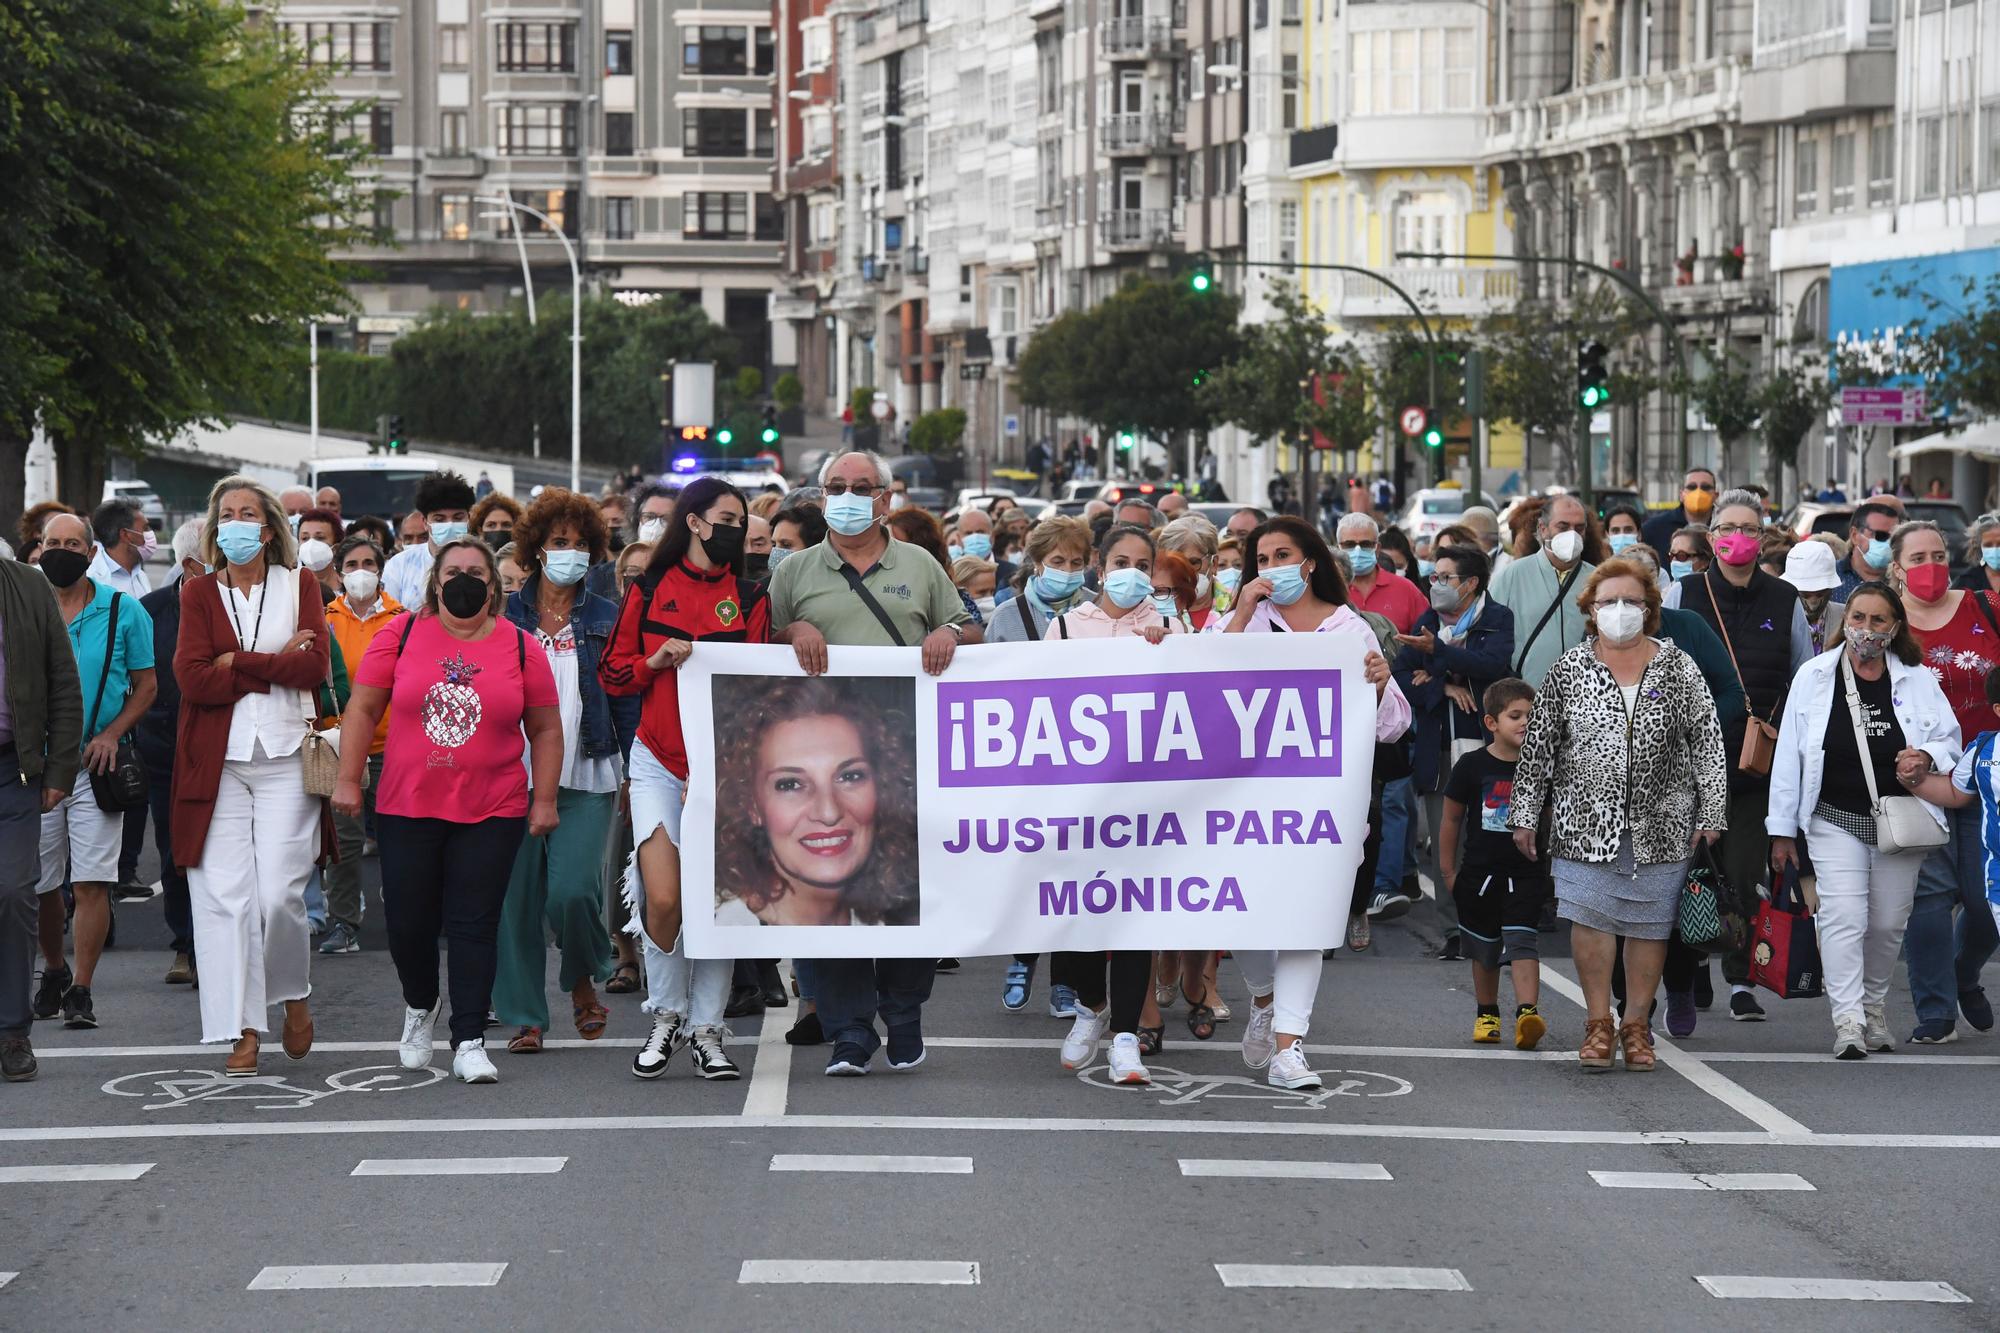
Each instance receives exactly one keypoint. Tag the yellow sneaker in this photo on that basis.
(1486, 1029)
(1529, 1028)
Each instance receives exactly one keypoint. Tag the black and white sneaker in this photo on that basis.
(657, 1051)
(76, 1008)
(49, 995)
(1743, 1007)
(710, 1060)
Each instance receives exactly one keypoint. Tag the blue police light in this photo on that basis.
(686, 463)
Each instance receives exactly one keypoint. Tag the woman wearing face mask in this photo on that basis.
(1690, 552)
(494, 518)
(693, 590)
(1050, 581)
(1621, 713)
(1193, 539)
(557, 886)
(1397, 555)
(656, 507)
(253, 646)
(1813, 567)
(1621, 528)
(1875, 683)
(361, 612)
(795, 529)
(1228, 576)
(1174, 585)
(977, 579)
(1298, 589)
(1982, 556)
(319, 533)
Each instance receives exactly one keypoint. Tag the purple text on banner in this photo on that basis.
(1164, 728)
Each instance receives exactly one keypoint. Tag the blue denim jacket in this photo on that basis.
(608, 724)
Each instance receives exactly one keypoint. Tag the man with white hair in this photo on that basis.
(295, 500)
(329, 499)
(1374, 588)
(862, 586)
(156, 734)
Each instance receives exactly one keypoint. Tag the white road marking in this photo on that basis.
(65, 1173)
(862, 1272)
(1345, 1277)
(1831, 1289)
(5, 1278)
(1233, 1168)
(1701, 1180)
(459, 1166)
(1901, 1057)
(771, 1075)
(873, 1165)
(1725, 1090)
(338, 1277)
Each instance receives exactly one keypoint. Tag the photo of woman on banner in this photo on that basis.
(816, 807)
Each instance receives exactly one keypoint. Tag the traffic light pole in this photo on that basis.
(1583, 415)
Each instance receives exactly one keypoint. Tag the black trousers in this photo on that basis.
(1678, 973)
(1130, 972)
(179, 912)
(447, 880)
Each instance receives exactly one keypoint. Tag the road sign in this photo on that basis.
(1412, 421)
(1883, 407)
(1011, 426)
(880, 409)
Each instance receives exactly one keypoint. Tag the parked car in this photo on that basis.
(136, 492)
(1432, 510)
(1813, 516)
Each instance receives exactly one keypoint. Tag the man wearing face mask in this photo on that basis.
(124, 540)
(1763, 627)
(445, 500)
(1868, 546)
(1376, 587)
(1541, 589)
(1698, 489)
(295, 501)
(355, 617)
(975, 538)
(756, 547)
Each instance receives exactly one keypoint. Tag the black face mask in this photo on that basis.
(64, 567)
(498, 537)
(758, 565)
(723, 545)
(464, 596)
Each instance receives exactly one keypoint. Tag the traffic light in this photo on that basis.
(725, 437)
(1200, 376)
(1201, 277)
(1593, 389)
(770, 434)
(397, 444)
(1433, 433)
(1126, 439)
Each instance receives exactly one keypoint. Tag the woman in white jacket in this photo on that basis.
(1875, 681)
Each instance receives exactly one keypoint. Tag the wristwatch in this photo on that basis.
(957, 630)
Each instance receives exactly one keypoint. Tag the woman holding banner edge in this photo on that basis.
(1298, 589)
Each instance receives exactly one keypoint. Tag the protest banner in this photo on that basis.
(1208, 792)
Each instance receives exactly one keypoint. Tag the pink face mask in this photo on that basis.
(1738, 548)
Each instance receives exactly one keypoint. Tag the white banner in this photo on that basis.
(1210, 792)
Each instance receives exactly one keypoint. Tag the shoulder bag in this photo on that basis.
(1760, 738)
(123, 788)
(860, 587)
(1562, 590)
(1902, 823)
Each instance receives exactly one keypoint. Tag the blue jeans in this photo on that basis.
(1398, 823)
(851, 991)
(1946, 958)
(315, 900)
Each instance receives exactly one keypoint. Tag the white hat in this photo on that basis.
(1809, 567)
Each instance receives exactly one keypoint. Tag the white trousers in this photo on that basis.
(1864, 904)
(1290, 977)
(248, 895)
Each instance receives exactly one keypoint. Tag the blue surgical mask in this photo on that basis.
(293, 519)
(1990, 556)
(1166, 605)
(953, 552)
(778, 556)
(239, 540)
(1128, 587)
(1425, 568)
(1620, 540)
(1229, 579)
(565, 568)
(446, 532)
(1680, 569)
(1053, 585)
(1361, 560)
(1877, 554)
(978, 544)
(849, 514)
(1288, 583)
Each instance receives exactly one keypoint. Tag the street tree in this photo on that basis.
(1730, 397)
(1953, 346)
(1791, 402)
(938, 432)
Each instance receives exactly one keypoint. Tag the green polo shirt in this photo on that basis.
(911, 586)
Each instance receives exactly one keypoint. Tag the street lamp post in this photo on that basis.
(527, 286)
(575, 330)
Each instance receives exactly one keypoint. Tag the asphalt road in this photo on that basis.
(1431, 1184)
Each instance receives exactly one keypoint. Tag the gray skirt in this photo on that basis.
(1638, 902)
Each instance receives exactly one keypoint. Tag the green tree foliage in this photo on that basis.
(748, 384)
(938, 432)
(789, 392)
(1260, 390)
(1731, 398)
(1791, 402)
(1531, 370)
(1954, 346)
(1136, 360)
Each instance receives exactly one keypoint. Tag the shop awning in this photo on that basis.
(1981, 439)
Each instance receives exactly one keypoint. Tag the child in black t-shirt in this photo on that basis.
(1499, 892)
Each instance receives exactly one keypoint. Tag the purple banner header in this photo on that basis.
(1160, 728)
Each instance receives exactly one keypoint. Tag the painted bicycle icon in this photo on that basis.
(172, 1089)
(1173, 1087)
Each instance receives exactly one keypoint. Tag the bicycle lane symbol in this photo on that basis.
(1173, 1087)
(171, 1089)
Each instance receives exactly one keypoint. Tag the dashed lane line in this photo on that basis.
(1831, 1289)
(1234, 1169)
(72, 1173)
(358, 1277)
(459, 1166)
(866, 1164)
(1342, 1277)
(1702, 1180)
(861, 1272)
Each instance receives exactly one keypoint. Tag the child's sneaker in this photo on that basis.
(1529, 1027)
(1486, 1029)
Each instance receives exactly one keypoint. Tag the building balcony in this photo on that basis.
(1135, 37)
(1618, 110)
(1048, 217)
(1450, 292)
(1311, 147)
(1133, 229)
(1790, 31)
(1136, 133)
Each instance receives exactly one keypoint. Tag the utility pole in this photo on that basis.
(1475, 410)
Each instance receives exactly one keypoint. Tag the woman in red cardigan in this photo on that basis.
(253, 645)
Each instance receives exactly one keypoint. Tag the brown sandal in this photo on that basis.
(590, 1020)
(242, 1061)
(528, 1041)
(297, 1037)
(1638, 1047)
(1599, 1035)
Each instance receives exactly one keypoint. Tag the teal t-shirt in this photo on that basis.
(132, 652)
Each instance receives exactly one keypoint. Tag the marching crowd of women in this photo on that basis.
(1565, 723)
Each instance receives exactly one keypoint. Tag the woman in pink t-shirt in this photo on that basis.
(454, 801)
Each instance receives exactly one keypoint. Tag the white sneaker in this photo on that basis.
(1875, 1029)
(1258, 1042)
(1290, 1070)
(419, 1027)
(1126, 1066)
(471, 1065)
(1084, 1034)
(657, 1051)
(1848, 1041)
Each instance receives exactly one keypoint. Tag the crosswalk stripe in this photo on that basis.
(1342, 1277)
(66, 1173)
(459, 1166)
(861, 1272)
(1230, 1167)
(341, 1277)
(872, 1165)
(1831, 1289)
(1701, 1180)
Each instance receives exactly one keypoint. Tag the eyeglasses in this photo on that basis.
(1618, 601)
(1699, 486)
(1738, 530)
(1441, 577)
(1881, 534)
(867, 490)
(1689, 556)
(1357, 546)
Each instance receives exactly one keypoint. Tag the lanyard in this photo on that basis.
(257, 627)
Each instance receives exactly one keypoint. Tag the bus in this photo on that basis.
(386, 484)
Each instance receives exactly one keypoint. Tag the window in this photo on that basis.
(714, 49)
(1805, 176)
(818, 124)
(1960, 136)
(618, 217)
(371, 130)
(1842, 173)
(349, 46)
(1288, 92)
(715, 215)
(618, 52)
(766, 144)
(1288, 231)
(451, 131)
(1006, 309)
(1881, 165)
(538, 129)
(1426, 223)
(537, 48)
(1048, 72)
(618, 134)
(1408, 71)
(553, 203)
(714, 132)
(770, 219)
(1989, 134)
(767, 49)
(815, 44)
(999, 106)
(452, 46)
(455, 217)
(1929, 147)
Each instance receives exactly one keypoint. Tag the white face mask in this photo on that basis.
(1566, 546)
(1620, 623)
(651, 530)
(360, 585)
(315, 554)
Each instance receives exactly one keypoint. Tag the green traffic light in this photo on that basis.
(725, 436)
(770, 435)
(1201, 281)
(1594, 396)
(1434, 438)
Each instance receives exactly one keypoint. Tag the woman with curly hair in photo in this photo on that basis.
(820, 802)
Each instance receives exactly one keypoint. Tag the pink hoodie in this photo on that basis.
(1392, 714)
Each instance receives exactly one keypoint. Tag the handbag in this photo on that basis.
(1698, 920)
(123, 788)
(1760, 738)
(1902, 823)
(1784, 949)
